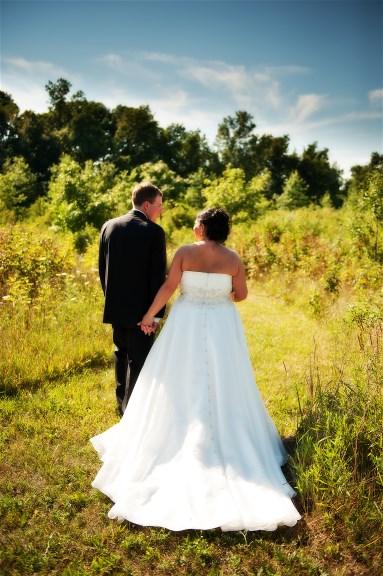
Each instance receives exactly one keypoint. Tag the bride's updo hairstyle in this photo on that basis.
(216, 222)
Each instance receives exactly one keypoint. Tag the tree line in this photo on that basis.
(82, 145)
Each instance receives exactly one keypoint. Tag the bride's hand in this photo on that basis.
(147, 324)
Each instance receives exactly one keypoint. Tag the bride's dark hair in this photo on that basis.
(216, 222)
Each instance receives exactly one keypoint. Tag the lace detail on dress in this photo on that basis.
(203, 297)
(205, 289)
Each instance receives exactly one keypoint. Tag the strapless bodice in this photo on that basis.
(205, 287)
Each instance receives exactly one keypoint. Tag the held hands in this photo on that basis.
(148, 325)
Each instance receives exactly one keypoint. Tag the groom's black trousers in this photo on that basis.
(131, 349)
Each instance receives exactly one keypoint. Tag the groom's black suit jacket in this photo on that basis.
(132, 267)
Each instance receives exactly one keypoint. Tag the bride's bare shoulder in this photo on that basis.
(186, 248)
(232, 253)
(184, 251)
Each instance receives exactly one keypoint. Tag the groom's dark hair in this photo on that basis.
(145, 191)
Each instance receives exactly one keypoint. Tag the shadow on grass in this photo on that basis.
(298, 534)
(290, 443)
(97, 361)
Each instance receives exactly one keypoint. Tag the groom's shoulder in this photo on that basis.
(118, 220)
(133, 219)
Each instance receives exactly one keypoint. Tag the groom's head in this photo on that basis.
(147, 198)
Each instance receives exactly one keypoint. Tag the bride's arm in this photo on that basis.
(164, 293)
(239, 292)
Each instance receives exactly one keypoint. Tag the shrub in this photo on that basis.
(28, 262)
(339, 458)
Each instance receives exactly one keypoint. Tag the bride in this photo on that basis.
(196, 447)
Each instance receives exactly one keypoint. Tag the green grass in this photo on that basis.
(314, 327)
(54, 523)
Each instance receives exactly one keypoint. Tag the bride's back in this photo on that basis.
(210, 257)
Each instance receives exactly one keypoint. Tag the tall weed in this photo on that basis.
(50, 310)
(339, 456)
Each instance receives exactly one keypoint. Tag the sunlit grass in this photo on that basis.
(316, 349)
(53, 522)
(41, 342)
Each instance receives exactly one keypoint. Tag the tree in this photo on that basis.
(172, 185)
(365, 199)
(81, 196)
(240, 147)
(186, 152)
(18, 186)
(37, 143)
(321, 178)
(360, 176)
(8, 115)
(136, 138)
(242, 200)
(90, 129)
(58, 92)
(235, 140)
(294, 193)
(373, 196)
(195, 184)
(271, 153)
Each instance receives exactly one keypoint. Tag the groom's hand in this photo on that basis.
(148, 329)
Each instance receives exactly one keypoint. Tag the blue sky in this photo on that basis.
(309, 69)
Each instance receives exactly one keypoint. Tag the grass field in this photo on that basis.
(54, 523)
(314, 326)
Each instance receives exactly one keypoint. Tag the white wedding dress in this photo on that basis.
(196, 447)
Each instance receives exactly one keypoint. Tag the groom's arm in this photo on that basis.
(101, 259)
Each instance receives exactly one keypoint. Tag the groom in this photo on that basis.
(132, 267)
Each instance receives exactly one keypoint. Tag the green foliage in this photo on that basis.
(58, 91)
(365, 205)
(374, 194)
(360, 175)
(29, 263)
(160, 175)
(8, 114)
(321, 244)
(38, 142)
(186, 152)
(339, 456)
(177, 218)
(194, 193)
(18, 186)
(57, 391)
(136, 136)
(235, 139)
(90, 130)
(129, 137)
(294, 193)
(44, 295)
(242, 201)
(321, 177)
(81, 196)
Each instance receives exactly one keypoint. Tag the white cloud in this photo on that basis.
(376, 96)
(306, 106)
(32, 67)
(113, 61)
(243, 87)
(286, 70)
(199, 93)
(160, 57)
(25, 80)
